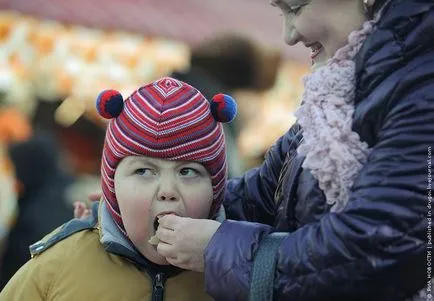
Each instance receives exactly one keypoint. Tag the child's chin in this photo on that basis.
(156, 258)
(160, 261)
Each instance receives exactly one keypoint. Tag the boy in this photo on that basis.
(164, 153)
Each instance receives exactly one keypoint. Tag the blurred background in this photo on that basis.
(57, 55)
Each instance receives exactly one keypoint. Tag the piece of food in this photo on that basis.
(154, 240)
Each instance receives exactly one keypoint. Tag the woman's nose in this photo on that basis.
(291, 37)
(290, 34)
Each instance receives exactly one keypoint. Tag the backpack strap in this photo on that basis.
(264, 266)
(73, 226)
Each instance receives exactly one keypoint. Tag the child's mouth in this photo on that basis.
(154, 239)
(156, 222)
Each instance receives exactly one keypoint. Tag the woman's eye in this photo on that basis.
(143, 171)
(189, 172)
(295, 10)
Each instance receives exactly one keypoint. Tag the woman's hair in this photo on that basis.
(237, 61)
(377, 6)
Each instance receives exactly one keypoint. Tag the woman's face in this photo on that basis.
(322, 25)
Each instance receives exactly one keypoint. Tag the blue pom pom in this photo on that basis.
(109, 104)
(223, 108)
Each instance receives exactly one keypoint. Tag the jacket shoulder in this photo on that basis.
(64, 231)
(38, 277)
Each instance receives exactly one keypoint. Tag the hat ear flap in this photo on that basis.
(223, 108)
(109, 104)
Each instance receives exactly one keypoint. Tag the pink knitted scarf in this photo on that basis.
(333, 152)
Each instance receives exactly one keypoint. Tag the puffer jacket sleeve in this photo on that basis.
(251, 197)
(375, 246)
(33, 280)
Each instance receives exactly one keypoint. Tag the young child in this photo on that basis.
(164, 153)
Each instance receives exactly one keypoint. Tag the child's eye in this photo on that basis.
(189, 172)
(143, 171)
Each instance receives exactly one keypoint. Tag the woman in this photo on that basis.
(348, 182)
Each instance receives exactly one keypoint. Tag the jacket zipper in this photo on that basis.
(158, 287)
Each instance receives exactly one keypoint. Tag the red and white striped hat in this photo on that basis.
(166, 119)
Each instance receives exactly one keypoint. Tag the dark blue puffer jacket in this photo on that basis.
(376, 249)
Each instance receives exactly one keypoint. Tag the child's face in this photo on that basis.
(147, 187)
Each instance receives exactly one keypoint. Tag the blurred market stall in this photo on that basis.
(56, 56)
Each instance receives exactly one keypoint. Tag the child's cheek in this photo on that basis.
(198, 209)
(138, 215)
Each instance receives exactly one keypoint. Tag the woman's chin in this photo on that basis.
(320, 60)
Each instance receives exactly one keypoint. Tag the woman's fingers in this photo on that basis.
(169, 221)
(165, 250)
(165, 235)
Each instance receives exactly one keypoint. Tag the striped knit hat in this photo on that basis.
(166, 119)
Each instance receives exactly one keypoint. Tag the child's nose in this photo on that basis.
(167, 196)
(167, 191)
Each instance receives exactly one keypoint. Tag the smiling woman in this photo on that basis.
(346, 183)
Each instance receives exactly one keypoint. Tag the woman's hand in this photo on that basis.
(183, 240)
